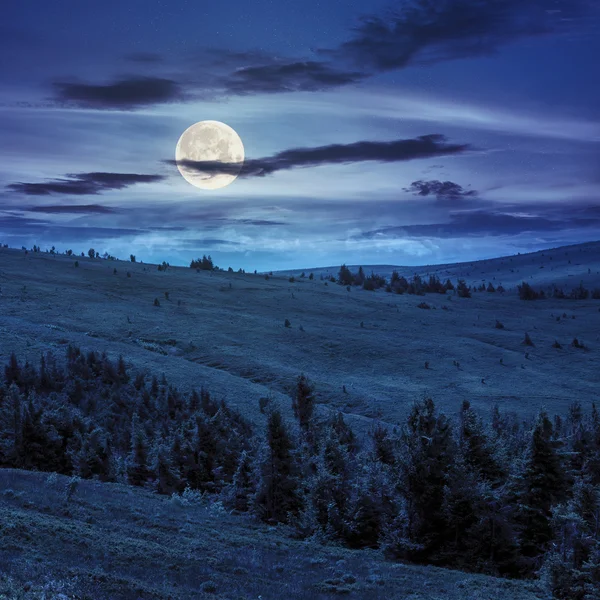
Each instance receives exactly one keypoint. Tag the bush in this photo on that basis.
(132, 258)
(556, 345)
(462, 289)
(423, 305)
(526, 292)
(292, 279)
(527, 341)
(311, 276)
(499, 325)
(287, 323)
(76, 263)
(156, 302)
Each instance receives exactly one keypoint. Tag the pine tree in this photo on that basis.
(137, 465)
(167, 477)
(476, 449)
(303, 402)
(11, 431)
(238, 495)
(428, 455)
(543, 486)
(279, 490)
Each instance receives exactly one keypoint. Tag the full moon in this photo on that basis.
(209, 141)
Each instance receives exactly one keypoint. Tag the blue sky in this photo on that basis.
(374, 132)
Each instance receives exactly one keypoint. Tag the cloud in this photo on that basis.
(83, 183)
(124, 93)
(485, 222)
(299, 76)
(424, 146)
(415, 32)
(72, 209)
(421, 31)
(443, 190)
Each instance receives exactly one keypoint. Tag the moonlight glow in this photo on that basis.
(209, 141)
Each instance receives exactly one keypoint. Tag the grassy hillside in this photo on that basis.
(118, 542)
(226, 330)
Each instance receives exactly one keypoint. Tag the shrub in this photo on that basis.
(76, 263)
(311, 276)
(556, 345)
(499, 325)
(132, 258)
(166, 295)
(596, 294)
(369, 284)
(128, 274)
(527, 341)
(114, 271)
(91, 253)
(577, 344)
(267, 277)
(292, 279)
(287, 323)
(526, 292)
(462, 289)
(423, 305)
(156, 302)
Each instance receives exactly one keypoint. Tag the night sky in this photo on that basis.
(413, 132)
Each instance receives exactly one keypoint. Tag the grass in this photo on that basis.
(113, 541)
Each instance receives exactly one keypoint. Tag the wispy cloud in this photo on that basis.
(421, 31)
(414, 32)
(71, 209)
(425, 146)
(80, 184)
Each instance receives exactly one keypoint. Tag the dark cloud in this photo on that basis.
(482, 223)
(414, 32)
(124, 93)
(422, 31)
(442, 190)
(300, 76)
(72, 209)
(80, 184)
(424, 146)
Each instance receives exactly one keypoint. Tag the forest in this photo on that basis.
(504, 496)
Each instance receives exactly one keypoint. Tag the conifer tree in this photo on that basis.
(11, 432)
(137, 465)
(238, 495)
(303, 402)
(543, 486)
(167, 477)
(428, 455)
(279, 490)
(476, 449)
